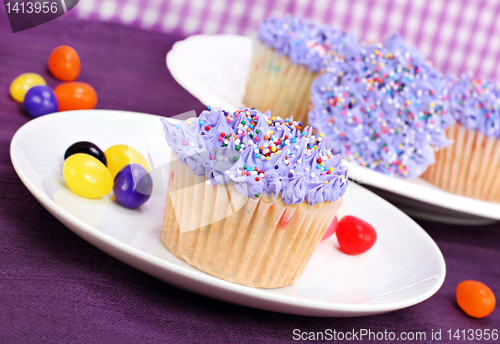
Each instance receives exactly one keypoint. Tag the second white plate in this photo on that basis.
(215, 70)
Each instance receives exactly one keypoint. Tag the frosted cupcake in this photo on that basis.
(249, 197)
(287, 56)
(471, 167)
(385, 108)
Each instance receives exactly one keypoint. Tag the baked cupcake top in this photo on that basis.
(262, 155)
(476, 104)
(385, 108)
(304, 42)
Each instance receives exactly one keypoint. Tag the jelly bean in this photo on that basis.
(475, 299)
(331, 229)
(86, 176)
(355, 236)
(119, 156)
(23, 83)
(40, 100)
(75, 96)
(86, 148)
(64, 63)
(132, 186)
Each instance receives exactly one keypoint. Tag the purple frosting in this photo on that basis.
(262, 155)
(304, 42)
(385, 108)
(476, 104)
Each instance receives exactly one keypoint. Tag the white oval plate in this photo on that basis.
(215, 70)
(403, 268)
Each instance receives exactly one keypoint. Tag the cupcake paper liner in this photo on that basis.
(277, 84)
(253, 242)
(470, 167)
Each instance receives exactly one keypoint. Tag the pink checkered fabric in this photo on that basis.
(456, 35)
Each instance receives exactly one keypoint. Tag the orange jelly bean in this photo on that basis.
(64, 63)
(75, 96)
(475, 299)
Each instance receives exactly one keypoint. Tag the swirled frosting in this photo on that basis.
(262, 155)
(476, 104)
(385, 108)
(304, 42)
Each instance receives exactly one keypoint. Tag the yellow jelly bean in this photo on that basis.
(23, 83)
(86, 176)
(119, 156)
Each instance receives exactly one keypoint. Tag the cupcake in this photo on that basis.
(471, 166)
(287, 56)
(385, 108)
(249, 197)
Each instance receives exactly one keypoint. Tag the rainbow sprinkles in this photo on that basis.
(262, 155)
(384, 108)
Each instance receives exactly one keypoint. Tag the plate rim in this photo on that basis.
(398, 186)
(428, 195)
(192, 86)
(122, 251)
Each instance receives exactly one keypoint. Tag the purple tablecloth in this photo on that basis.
(55, 287)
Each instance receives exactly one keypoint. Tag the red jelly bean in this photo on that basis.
(355, 236)
(331, 229)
